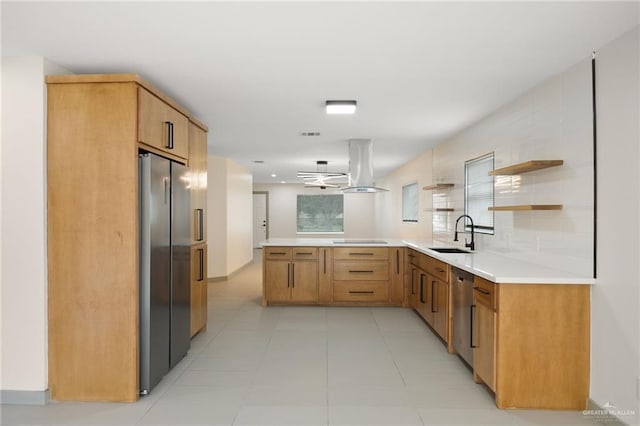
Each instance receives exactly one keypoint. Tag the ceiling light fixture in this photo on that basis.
(341, 107)
(321, 177)
(274, 175)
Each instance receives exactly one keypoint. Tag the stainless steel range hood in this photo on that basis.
(361, 167)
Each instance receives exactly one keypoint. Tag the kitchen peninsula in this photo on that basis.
(529, 325)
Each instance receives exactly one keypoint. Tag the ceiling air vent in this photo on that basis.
(309, 133)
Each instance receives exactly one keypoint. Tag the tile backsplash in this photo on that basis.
(552, 121)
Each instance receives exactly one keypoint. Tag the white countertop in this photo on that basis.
(493, 267)
(335, 242)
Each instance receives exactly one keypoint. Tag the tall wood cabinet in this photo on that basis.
(198, 174)
(96, 124)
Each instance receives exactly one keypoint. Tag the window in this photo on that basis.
(320, 213)
(478, 193)
(410, 203)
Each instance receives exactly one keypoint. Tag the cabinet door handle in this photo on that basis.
(288, 275)
(472, 311)
(360, 292)
(360, 271)
(433, 286)
(360, 254)
(397, 261)
(169, 127)
(293, 275)
(421, 288)
(413, 284)
(200, 224)
(324, 260)
(482, 290)
(201, 261)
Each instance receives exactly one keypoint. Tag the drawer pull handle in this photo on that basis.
(482, 290)
(360, 254)
(440, 270)
(360, 271)
(273, 253)
(360, 292)
(303, 254)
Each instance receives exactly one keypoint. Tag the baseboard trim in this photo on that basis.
(18, 397)
(609, 414)
(231, 275)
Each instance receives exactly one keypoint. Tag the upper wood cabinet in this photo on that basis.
(198, 173)
(162, 126)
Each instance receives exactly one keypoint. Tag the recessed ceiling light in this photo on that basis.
(274, 175)
(341, 107)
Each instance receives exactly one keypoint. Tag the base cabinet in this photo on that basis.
(430, 292)
(287, 280)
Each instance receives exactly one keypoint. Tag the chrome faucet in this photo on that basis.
(470, 245)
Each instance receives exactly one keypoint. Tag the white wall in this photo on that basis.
(216, 216)
(388, 205)
(551, 121)
(229, 216)
(23, 227)
(615, 298)
(359, 211)
(239, 216)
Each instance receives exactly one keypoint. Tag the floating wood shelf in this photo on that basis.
(438, 186)
(527, 166)
(527, 207)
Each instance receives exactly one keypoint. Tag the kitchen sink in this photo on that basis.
(448, 250)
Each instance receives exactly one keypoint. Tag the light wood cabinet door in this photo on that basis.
(440, 307)
(162, 127)
(325, 263)
(198, 288)
(304, 281)
(396, 275)
(198, 174)
(414, 295)
(484, 350)
(277, 277)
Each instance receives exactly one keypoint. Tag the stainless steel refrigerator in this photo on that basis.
(165, 296)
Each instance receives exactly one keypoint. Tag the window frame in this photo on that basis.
(480, 227)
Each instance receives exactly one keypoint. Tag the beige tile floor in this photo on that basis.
(303, 366)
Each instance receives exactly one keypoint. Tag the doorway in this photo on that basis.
(260, 218)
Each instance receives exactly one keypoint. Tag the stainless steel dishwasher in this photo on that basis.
(463, 314)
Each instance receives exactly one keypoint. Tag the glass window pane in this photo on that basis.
(320, 213)
(478, 193)
(410, 203)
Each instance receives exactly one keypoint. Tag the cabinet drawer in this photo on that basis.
(439, 269)
(359, 271)
(162, 127)
(360, 292)
(484, 292)
(277, 253)
(305, 253)
(361, 253)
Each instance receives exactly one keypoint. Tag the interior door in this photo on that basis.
(260, 224)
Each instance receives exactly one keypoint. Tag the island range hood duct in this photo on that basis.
(361, 167)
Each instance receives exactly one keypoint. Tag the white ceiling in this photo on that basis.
(258, 73)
